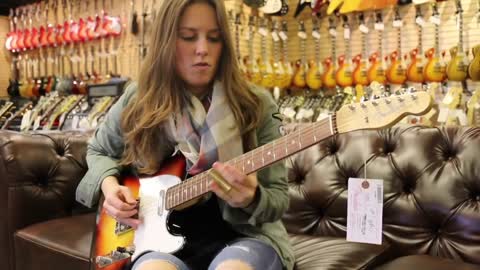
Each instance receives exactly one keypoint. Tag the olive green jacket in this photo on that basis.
(261, 220)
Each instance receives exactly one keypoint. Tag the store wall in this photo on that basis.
(126, 47)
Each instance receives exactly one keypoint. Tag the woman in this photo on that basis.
(190, 65)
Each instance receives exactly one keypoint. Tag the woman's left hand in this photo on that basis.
(243, 188)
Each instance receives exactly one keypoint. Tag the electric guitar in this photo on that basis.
(435, 69)
(457, 67)
(315, 69)
(328, 77)
(171, 230)
(299, 79)
(344, 75)
(474, 66)
(396, 73)
(360, 72)
(287, 65)
(376, 72)
(416, 66)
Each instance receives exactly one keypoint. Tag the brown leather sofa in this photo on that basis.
(431, 211)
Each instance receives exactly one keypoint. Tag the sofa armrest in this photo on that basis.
(38, 177)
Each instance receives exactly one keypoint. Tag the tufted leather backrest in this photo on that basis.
(38, 177)
(431, 187)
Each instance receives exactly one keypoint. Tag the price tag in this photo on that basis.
(397, 23)
(365, 210)
(262, 31)
(283, 36)
(316, 34)
(332, 32)
(435, 19)
(346, 33)
(302, 35)
(275, 37)
(379, 26)
(462, 117)
(420, 21)
(363, 28)
(443, 115)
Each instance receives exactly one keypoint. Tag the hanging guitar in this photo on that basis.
(457, 67)
(435, 70)
(344, 76)
(174, 230)
(396, 73)
(416, 66)
(377, 70)
(315, 68)
(328, 77)
(360, 72)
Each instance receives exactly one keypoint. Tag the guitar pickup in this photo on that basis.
(120, 254)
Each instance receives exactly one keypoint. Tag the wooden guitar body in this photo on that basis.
(344, 73)
(360, 72)
(415, 68)
(396, 73)
(474, 66)
(435, 70)
(328, 77)
(457, 67)
(180, 231)
(376, 72)
(314, 76)
(299, 79)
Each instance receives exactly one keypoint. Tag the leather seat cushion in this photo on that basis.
(62, 243)
(426, 262)
(317, 252)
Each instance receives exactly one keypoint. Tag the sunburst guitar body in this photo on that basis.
(435, 70)
(474, 66)
(360, 76)
(376, 72)
(344, 76)
(328, 76)
(299, 79)
(416, 66)
(396, 73)
(314, 75)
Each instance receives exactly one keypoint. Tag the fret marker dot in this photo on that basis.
(248, 162)
(269, 153)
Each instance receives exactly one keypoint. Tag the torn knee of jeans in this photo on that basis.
(234, 264)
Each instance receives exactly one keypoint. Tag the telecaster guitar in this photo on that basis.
(115, 244)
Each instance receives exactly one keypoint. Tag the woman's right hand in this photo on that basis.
(119, 202)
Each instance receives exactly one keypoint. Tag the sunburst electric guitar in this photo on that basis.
(376, 72)
(328, 77)
(417, 58)
(315, 68)
(167, 229)
(397, 73)
(360, 76)
(435, 70)
(344, 75)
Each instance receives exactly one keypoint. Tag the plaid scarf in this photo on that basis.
(205, 137)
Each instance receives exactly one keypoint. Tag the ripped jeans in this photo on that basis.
(258, 255)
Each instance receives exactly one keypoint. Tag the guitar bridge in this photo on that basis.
(120, 254)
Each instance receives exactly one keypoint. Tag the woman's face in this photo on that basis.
(199, 46)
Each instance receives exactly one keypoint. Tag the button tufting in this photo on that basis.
(332, 148)
(60, 150)
(477, 198)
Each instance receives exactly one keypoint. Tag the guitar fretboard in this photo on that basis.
(255, 160)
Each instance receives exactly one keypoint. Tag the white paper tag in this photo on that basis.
(363, 28)
(275, 37)
(435, 19)
(365, 210)
(283, 36)
(379, 26)
(302, 35)
(332, 32)
(262, 31)
(346, 33)
(397, 23)
(316, 34)
(420, 21)
(443, 115)
(462, 117)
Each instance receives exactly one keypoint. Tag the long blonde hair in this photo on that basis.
(159, 91)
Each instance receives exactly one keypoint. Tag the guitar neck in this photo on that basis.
(255, 160)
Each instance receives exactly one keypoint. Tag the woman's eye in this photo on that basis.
(215, 39)
(188, 38)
